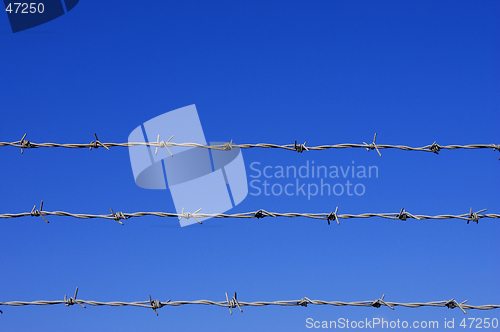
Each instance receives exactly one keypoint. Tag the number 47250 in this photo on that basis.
(480, 323)
(26, 8)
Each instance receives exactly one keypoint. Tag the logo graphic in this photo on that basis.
(213, 180)
(26, 15)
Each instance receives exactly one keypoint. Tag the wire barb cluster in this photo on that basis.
(403, 215)
(38, 213)
(73, 300)
(118, 216)
(473, 216)
(95, 144)
(234, 303)
(434, 147)
(372, 145)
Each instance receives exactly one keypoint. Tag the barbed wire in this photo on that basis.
(434, 147)
(403, 215)
(235, 303)
(332, 216)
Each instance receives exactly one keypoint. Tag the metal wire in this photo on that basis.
(434, 147)
(334, 216)
(235, 303)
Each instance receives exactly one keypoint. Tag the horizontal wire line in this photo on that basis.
(25, 144)
(233, 303)
(118, 216)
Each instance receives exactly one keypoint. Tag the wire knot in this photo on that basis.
(474, 217)
(25, 144)
(380, 302)
(72, 300)
(38, 213)
(228, 146)
(188, 215)
(69, 301)
(497, 148)
(402, 215)
(333, 216)
(118, 216)
(262, 213)
(259, 214)
(304, 301)
(95, 144)
(435, 147)
(156, 304)
(163, 144)
(452, 304)
(233, 303)
(372, 145)
(300, 147)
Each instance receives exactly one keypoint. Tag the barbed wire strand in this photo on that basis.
(234, 303)
(434, 147)
(403, 215)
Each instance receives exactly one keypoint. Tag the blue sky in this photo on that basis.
(258, 72)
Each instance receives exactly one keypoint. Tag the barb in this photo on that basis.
(263, 213)
(187, 215)
(304, 302)
(25, 144)
(402, 215)
(380, 302)
(233, 303)
(372, 145)
(228, 146)
(300, 147)
(473, 216)
(434, 147)
(73, 300)
(156, 304)
(453, 304)
(118, 216)
(333, 216)
(163, 144)
(38, 213)
(95, 144)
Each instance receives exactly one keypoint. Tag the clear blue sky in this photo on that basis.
(324, 72)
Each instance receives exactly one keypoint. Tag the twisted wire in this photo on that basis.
(234, 303)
